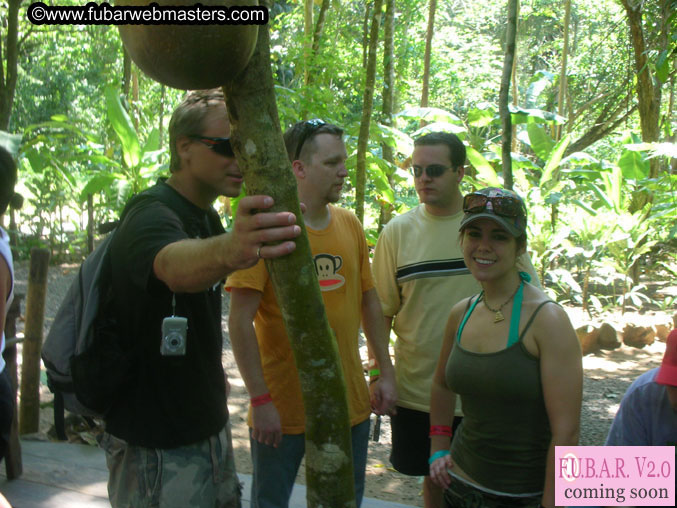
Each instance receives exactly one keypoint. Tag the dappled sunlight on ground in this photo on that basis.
(624, 358)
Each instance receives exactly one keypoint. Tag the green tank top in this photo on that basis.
(503, 440)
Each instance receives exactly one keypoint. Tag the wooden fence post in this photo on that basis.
(13, 463)
(29, 410)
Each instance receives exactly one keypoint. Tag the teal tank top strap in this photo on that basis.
(513, 334)
(468, 311)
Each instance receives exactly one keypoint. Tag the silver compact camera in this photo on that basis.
(174, 336)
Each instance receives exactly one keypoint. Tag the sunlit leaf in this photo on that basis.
(481, 117)
(554, 160)
(123, 127)
(539, 82)
(485, 172)
(152, 142)
(525, 115)
(99, 182)
(399, 141)
(10, 142)
(439, 127)
(541, 142)
(633, 165)
(429, 115)
(655, 149)
(663, 64)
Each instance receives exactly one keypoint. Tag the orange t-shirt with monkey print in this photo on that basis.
(341, 259)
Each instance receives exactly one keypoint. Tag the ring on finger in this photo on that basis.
(258, 252)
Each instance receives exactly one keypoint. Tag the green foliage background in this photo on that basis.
(591, 237)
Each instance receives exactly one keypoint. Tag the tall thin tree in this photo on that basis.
(317, 37)
(367, 107)
(307, 38)
(504, 93)
(9, 67)
(388, 98)
(563, 68)
(425, 92)
(648, 90)
(259, 147)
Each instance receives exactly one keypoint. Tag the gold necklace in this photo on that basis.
(498, 315)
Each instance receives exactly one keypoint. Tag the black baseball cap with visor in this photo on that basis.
(500, 205)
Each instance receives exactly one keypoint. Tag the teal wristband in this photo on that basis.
(438, 454)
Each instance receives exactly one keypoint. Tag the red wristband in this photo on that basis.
(261, 400)
(440, 430)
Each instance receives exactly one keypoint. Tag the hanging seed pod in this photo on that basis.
(190, 57)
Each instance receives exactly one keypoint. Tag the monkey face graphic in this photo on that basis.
(327, 267)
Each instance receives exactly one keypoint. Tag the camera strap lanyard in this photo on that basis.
(173, 304)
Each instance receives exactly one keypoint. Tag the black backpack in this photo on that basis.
(86, 365)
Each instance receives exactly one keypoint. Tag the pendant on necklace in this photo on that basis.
(498, 317)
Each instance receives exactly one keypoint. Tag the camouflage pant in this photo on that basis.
(201, 475)
(462, 495)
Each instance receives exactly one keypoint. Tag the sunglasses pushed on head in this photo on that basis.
(500, 205)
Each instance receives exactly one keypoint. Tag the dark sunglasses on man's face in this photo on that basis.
(218, 145)
(310, 127)
(433, 171)
(500, 205)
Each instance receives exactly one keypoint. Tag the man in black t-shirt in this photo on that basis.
(167, 438)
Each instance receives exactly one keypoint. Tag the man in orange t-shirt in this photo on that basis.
(260, 344)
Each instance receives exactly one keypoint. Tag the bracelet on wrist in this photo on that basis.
(261, 400)
(440, 430)
(438, 454)
(374, 372)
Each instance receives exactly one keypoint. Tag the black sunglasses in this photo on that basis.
(309, 128)
(218, 145)
(506, 206)
(433, 171)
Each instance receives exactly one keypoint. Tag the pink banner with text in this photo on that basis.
(615, 476)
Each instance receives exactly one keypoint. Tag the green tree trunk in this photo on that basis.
(319, 26)
(307, 38)
(563, 69)
(504, 93)
(427, 55)
(388, 99)
(8, 68)
(317, 37)
(257, 141)
(126, 72)
(648, 93)
(365, 33)
(367, 107)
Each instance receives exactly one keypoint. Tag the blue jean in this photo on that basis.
(275, 469)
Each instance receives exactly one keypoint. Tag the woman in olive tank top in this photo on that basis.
(514, 359)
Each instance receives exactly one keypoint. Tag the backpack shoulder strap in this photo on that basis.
(165, 194)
